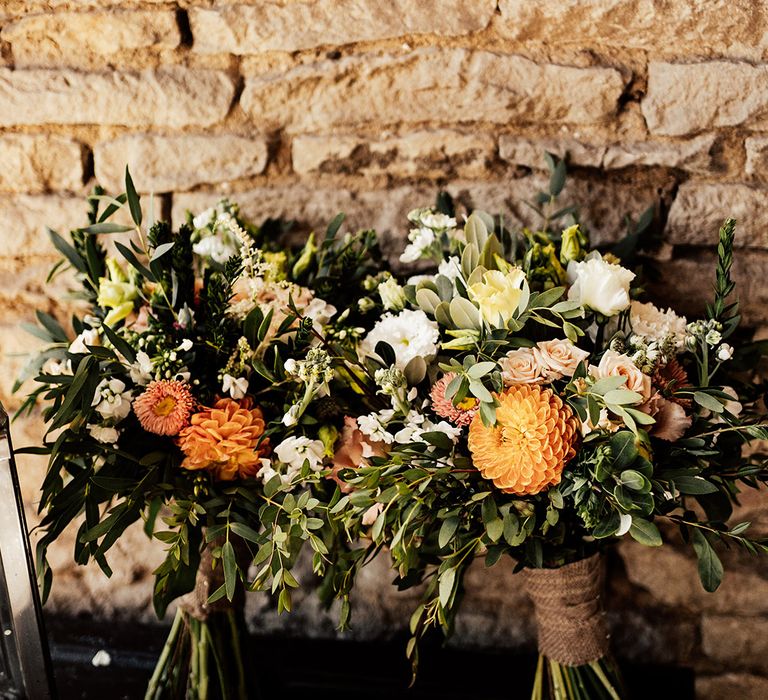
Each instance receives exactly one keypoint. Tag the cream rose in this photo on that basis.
(613, 364)
(599, 285)
(558, 358)
(521, 367)
(499, 295)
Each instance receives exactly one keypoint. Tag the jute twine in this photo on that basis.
(208, 581)
(569, 614)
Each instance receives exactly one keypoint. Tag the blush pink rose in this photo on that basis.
(558, 358)
(614, 364)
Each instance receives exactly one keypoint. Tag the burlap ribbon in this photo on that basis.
(208, 581)
(569, 613)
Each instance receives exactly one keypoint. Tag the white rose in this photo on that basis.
(521, 367)
(613, 364)
(559, 358)
(599, 285)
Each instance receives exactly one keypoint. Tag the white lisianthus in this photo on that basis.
(236, 387)
(724, 352)
(500, 295)
(104, 434)
(420, 241)
(294, 450)
(599, 285)
(450, 268)
(650, 323)
(392, 295)
(112, 400)
(410, 334)
(87, 337)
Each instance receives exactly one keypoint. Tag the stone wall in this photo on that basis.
(303, 108)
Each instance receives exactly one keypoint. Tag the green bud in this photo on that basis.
(306, 257)
(328, 436)
(571, 247)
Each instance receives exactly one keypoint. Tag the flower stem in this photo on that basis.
(152, 688)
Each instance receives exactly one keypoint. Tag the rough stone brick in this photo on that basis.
(731, 685)
(279, 26)
(675, 27)
(30, 216)
(167, 163)
(172, 97)
(692, 155)
(53, 39)
(699, 210)
(434, 153)
(430, 85)
(36, 164)
(756, 164)
(685, 98)
(740, 642)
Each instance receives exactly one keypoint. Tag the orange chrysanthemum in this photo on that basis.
(223, 440)
(164, 407)
(533, 439)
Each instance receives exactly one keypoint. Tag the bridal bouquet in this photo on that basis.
(539, 408)
(203, 391)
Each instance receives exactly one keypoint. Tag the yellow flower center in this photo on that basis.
(163, 408)
(467, 404)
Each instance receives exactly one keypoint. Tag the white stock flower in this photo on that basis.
(599, 285)
(294, 450)
(204, 218)
(215, 248)
(142, 372)
(724, 352)
(235, 387)
(374, 426)
(420, 240)
(651, 323)
(104, 434)
(87, 337)
(410, 334)
(112, 400)
(450, 268)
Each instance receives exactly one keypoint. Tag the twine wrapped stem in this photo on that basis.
(569, 613)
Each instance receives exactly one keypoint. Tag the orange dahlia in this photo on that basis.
(223, 439)
(164, 407)
(533, 439)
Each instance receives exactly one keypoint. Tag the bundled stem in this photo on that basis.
(573, 637)
(203, 656)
